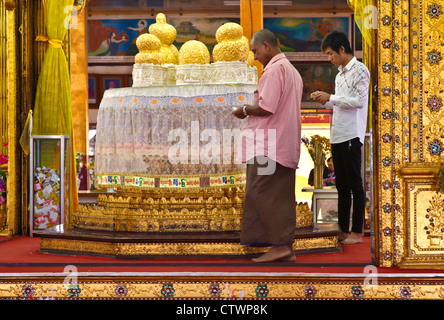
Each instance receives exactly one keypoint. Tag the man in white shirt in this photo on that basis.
(350, 107)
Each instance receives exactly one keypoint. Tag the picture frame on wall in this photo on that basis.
(300, 36)
(113, 39)
(126, 4)
(92, 90)
(102, 82)
(316, 77)
(198, 28)
(111, 82)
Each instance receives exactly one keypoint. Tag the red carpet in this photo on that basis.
(22, 255)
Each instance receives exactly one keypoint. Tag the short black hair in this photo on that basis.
(335, 40)
(265, 35)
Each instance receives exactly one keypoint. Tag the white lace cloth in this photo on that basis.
(148, 130)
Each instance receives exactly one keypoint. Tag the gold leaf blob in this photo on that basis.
(250, 60)
(166, 33)
(194, 52)
(232, 45)
(229, 31)
(149, 49)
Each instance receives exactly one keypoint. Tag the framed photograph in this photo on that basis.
(111, 83)
(114, 40)
(300, 37)
(316, 77)
(102, 82)
(195, 4)
(202, 29)
(125, 4)
(92, 90)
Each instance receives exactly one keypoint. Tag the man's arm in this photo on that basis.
(251, 110)
(360, 88)
(360, 91)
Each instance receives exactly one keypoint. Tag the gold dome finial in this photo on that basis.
(166, 34)
(161, 18)
(232, 44)
(194, 52)
(149, 49)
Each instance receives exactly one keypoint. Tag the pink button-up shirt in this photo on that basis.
(277, 136)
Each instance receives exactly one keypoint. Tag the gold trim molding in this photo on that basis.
(424, 204)
(133, 249)
(220, 288)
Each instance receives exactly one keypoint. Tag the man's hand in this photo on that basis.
(321, 97)
(252, 110)
(238, 112)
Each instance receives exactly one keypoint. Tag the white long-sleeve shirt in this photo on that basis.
(350, 102)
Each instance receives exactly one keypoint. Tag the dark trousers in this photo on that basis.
(347, 160)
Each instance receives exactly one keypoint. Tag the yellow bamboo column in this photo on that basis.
(79, 82)
(252, 20)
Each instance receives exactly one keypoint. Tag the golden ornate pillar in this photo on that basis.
(409, 135)
(252, 20)
(9, 109)
(79, 80)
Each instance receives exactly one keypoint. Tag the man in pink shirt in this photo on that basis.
(270, 145)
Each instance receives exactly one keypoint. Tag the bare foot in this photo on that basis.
(353, 238)
(282, 253)
(290, 258)
(342, 236)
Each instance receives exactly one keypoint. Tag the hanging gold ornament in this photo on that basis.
(80, 5)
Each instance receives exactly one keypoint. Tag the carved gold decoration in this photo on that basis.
(198, 209)
(3, 102)
(220, 287)
(409, 126)
(80, 5)
(304, 216)
(136, 248)
(8, 110)
(425, 225)
(194, 52)
(203, 209)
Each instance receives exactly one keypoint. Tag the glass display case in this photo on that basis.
(49, 181)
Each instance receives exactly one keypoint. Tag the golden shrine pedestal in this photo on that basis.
(140, 227)
(174, 196)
